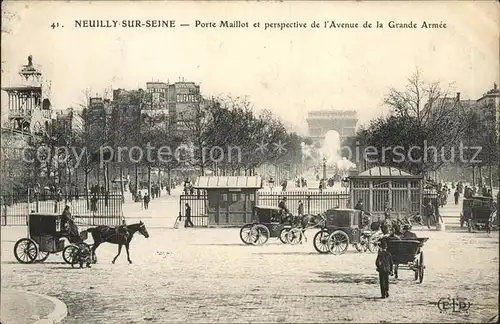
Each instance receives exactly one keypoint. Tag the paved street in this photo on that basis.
(208, 275)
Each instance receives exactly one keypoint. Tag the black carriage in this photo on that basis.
(342, 227)
(408, 255)
(481, 213)
(45, 237)
(268, 222)
(466, 211)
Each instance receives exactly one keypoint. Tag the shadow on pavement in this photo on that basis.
(45, 262)
(334, 278)
(221, 244)
(288, 253)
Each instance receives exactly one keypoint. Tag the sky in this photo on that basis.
(288, 71)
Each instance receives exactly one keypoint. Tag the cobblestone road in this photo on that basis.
(208, 275)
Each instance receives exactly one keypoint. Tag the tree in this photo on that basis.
(422, 115)
(480, 135)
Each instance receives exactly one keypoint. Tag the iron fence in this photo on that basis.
(314, 203)
(199, 207)
(90, 210)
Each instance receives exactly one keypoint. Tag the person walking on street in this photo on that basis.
(300, 209)
(146, 201)
(429, 212)
(456, 195)
(188, 222)
(384, 266)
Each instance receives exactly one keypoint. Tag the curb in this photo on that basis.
(58, 314)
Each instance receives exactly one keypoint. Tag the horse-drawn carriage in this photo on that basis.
(268, 222)
(407, 254)
(480, 214)
(45, 237)
(340, 228)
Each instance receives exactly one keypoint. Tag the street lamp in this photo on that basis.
(324, 168)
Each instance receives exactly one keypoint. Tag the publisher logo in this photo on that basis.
(454, 305)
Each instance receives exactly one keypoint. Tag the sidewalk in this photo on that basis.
(20, 307)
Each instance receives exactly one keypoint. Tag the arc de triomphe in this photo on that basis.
(321, 122)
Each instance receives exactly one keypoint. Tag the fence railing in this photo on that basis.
(314, 202)
(90, 210)
(199, 206)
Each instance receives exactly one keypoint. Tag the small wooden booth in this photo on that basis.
(229, 200)
(380, 186)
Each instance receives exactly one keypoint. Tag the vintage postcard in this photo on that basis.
(249, 161)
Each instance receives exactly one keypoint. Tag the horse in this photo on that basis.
(309, 221)
(121, 235)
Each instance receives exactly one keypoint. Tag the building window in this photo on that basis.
(224, 197)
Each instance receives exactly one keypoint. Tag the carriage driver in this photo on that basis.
(68, 226)
(283, 209)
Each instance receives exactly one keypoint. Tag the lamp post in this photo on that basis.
(324, 168)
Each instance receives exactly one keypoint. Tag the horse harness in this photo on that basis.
(117, 233)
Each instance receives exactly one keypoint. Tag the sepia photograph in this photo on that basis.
(249, 161)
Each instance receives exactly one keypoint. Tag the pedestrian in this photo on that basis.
(384, 266)
(146, 200)
(387, 209)
(188, 222)
(300, 209)
(429, 213)
(93, 204)
(456, 195)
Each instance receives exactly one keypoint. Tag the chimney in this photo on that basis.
(458, 96)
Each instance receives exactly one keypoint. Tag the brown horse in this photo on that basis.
(121, 235)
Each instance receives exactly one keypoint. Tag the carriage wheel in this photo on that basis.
(246, 234)
(262, 234)
(421, 268)
(372, 245)
(294, 236)
(338, 242)
(68, 253)
(320, 241)
(284, 235)
(25, 250)
(41, 256)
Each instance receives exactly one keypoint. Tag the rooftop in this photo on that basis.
(241, 182)
(381, 171)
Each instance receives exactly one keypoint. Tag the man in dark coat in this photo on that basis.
(146, 200)
(384, 266)
(188, 222)
(283, 209)
(359, 205)
(429, 213)
(68, 226)
(300, 209)
(456, 195)
(407, 234)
